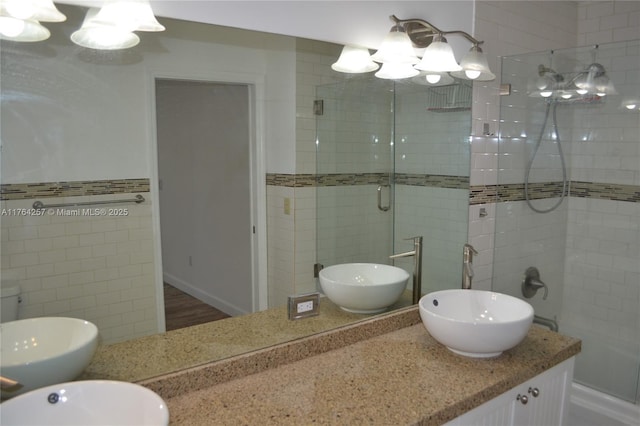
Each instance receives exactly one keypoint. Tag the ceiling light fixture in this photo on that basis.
(399, 60)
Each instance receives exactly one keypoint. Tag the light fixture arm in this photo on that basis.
(415, 26)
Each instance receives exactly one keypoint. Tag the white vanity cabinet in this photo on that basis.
(542, 400)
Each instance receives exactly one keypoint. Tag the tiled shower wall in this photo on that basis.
(591, 243)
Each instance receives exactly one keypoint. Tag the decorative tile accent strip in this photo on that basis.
(22, 191)
(606, 191)
(344, 179)
(515, 192)
(440, 181)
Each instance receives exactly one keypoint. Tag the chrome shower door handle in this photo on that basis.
(380, 206)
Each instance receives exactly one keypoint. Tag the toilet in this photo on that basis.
(10, 296)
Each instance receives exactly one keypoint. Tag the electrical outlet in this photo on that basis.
(303, 306)
(287, 205)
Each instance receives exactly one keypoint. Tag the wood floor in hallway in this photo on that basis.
(182, 310)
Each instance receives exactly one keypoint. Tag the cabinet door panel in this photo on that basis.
(549, 407)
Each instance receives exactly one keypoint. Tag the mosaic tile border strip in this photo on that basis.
(329, 179)
(344, 179)
(605, 191)
(24, 191)
(439, 181)
(515, 192)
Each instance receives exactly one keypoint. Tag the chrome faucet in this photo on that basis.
(417, 266)
(467, 265)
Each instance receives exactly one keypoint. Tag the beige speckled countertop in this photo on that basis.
(164, 353)
(399, 376)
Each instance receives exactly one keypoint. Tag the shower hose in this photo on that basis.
(551, 109)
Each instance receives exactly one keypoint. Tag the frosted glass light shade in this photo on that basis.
(604, 86)
(15, 29)
(475, 66)
(438, 57)
(394, 71)
(354, 60)
(129, 15)
(95, 35)
(396, 48)
(33, 10)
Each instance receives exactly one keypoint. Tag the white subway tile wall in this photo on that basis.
(280, 244)
(587, 249)
(97, 265)
(507, 28)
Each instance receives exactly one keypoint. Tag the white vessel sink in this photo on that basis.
(475, 323)
(38, 352)
(86, 403)
(363, 288)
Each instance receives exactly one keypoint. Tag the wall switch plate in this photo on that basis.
(304, 305)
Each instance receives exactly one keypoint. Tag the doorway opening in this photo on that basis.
(205, 146)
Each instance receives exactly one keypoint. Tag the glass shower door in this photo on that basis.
(392, 164)
(354, 167)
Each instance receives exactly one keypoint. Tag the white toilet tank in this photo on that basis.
(10, 295)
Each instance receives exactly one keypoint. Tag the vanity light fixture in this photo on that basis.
(399, 59)
(108, 28)
(96, 34)
(354, 59)
(20, 19)
(112, 27)
(591, 83)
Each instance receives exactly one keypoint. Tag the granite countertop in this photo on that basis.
(390, 374)
(163, 353)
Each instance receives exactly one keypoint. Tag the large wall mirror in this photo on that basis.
(86, 126)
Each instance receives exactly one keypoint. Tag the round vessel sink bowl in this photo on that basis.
(363, 288)
(38, 352)
(86, 403)
(475, 323)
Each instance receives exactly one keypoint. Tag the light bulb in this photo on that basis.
(11, 27)
(433, 78)
(472, 74)
(546, 93)
(630, 106)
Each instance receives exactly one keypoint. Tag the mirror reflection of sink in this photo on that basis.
(475, 323)
(91, 402)
(363, 288)
(38, 352)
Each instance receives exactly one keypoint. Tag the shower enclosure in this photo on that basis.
(393, 163)
(587, 244)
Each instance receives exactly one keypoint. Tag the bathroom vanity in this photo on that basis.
(387, 370)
